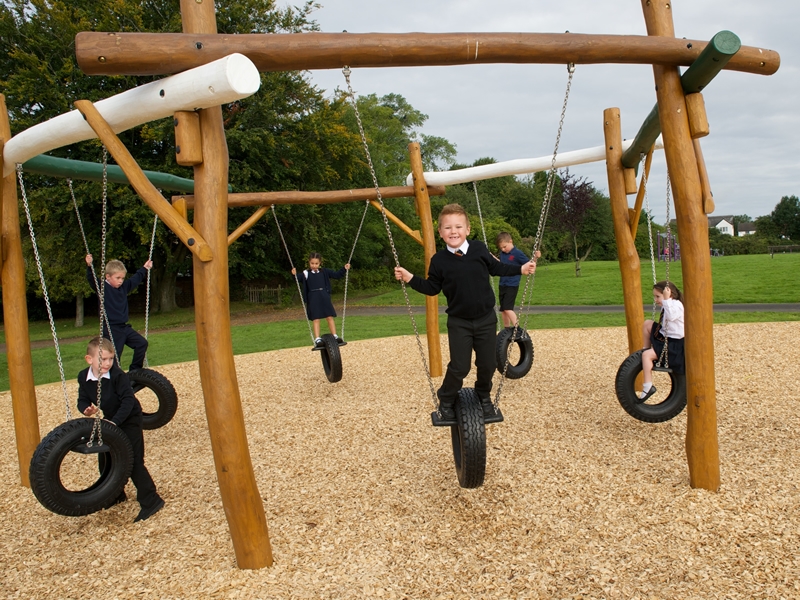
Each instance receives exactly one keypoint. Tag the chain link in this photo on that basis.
(349, 260)
(664, 358)
(147, 292)
(45, 295)
(548, 196)
(649, 214)
(346, 73)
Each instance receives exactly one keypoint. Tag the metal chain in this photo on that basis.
(297, 281)
(346, 73)
(349, 260)
(664, 358)
(486, 243)
(548, 196)
(147, 292)
(44, 289)
(101, 292)
(649, 214)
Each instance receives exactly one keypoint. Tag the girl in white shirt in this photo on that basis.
(668, 297)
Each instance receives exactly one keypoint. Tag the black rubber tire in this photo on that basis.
(469, 440)
(665, 410)
(45, 469)
(525, 346)
(331, 358)
(164, 391)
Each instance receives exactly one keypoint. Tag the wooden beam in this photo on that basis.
(146, 190)
(241, 500)
(698, 119)
(188, 145)
(629, 264)
(330, 197)
(705, 183)
(15, 319)
(244, 227)
(412, 233)
(423, 204)
(637, 209)
(101, 53)
(702, 447)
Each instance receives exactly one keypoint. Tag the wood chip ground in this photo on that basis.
(361, 498)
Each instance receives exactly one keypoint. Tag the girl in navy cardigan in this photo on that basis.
(315, 283)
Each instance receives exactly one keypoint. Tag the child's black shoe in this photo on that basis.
(148, 512)
(120, 499)
(318, 343)
(649, 393)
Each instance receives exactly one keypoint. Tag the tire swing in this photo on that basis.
(507, 337)
(468, 431)
(145, 378)
(653, 410)
(81, 436)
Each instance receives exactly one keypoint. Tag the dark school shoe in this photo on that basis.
(148, 512)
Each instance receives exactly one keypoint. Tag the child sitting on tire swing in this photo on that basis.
(670, 330)
(120, 407)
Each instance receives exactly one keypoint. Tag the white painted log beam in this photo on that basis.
(521, 166)
(225, 80)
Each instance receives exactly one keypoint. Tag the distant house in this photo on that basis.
(746, 229)
(723, 223)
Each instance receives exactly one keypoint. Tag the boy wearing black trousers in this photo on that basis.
(462, 271)
(115, 300)
(121, 407)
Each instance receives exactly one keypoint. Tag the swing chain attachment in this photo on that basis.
(147, 292)
(649, 213)
(346, 73)
(45, 295)
(663, 359)
(350, 260)
(537, 244)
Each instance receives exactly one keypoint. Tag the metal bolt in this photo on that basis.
(198, 45)
(190, 241)
(161, 93)
(101, 59)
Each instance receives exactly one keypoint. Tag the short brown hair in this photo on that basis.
(99, 342)
(453, 209)
(115, 266)
(503, 236)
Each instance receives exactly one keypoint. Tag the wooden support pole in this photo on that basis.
(698, 119)
(15, 319)
(702, 447)
(146, 190)
(241, 500)
(637, 209)
(179, 204)
(705, 183)
(412, 233)
(244, 227)
(629, 265)
(423, 203)
(101, 53)
(329, 197)
(188, 146)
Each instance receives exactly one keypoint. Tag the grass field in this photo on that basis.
(737, 279)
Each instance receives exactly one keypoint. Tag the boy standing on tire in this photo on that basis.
(115, 301)
(461, 271)
(121, 407)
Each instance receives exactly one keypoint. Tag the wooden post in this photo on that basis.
(705, 184)
(15, 316)
(702, 448)
(629, 265)
(244, 227)
(187, 138)
(412, 233)
(637, 208)
(241, 500)
(423, 203)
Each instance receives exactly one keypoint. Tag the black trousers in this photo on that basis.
(125, 335)
(464, 336)
(146, 493)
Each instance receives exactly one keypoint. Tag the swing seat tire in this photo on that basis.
(164, 392)
(331, 358)
(625, 387)
(525, 347)
(468, 437)
(45, 469)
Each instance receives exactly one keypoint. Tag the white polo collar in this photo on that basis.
(90, 376)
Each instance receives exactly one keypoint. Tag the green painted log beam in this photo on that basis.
(79, 169)
(711, 61)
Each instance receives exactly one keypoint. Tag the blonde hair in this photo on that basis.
(115, 266)
(453, 209)
(102, 343)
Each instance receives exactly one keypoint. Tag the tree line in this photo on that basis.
(288, 136)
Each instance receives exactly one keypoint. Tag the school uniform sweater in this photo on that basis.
(115, 300)
(117, 401)
(515, 257)
(464, 280)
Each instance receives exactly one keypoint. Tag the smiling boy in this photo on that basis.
(461, 271)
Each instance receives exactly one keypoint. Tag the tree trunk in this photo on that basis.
(577, 258)
(79, 310)
(165, 280)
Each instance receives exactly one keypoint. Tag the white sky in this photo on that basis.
(511, 111)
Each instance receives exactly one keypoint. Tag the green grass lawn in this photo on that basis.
(737, 279)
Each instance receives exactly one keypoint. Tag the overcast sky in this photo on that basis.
(511, 111)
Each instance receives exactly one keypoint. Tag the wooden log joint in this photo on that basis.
(146, 190)
(188, 139)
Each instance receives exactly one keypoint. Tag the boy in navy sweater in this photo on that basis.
(115, 300)
(509, 284)
(121, 407)
(462, 271)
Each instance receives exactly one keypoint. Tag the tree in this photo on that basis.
(570, 211)
(740, 219)
(786, 217)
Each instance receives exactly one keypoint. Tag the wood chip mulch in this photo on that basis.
(580, 499)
